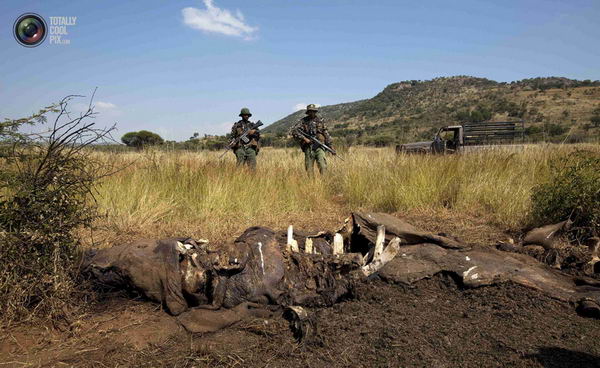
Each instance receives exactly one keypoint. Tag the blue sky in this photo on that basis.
(178, 67)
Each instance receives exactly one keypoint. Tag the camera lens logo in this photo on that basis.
(30, 30)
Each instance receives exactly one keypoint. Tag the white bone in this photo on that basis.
(466, 273)
(181, 248)
(262, 259)
(308, 246)
(338, 244)
(392, 249)
(294, 246)
(379, 242)
(290, 235)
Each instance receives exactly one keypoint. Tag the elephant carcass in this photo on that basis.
(429, 254)
(546, 235)
(255, 268)
(361, 231)
(151, 267)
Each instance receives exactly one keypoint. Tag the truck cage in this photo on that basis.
(496, 132)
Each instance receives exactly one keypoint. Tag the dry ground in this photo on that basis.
(432, 325)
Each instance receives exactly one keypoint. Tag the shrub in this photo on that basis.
(556, 129)
(571, 191)
(480, 113)
(380, 140)
(141, 139)
(45, 188)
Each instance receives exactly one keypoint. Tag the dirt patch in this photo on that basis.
(110, 326)
(431, 324)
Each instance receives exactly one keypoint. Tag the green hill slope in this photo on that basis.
(551, 107)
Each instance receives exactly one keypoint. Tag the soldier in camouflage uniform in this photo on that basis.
(246, 153)
(314, 126)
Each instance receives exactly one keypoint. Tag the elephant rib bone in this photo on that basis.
(308, 246)
(383, 258)
(292, 244)
(338, 244)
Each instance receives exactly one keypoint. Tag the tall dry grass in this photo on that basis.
(181, 193)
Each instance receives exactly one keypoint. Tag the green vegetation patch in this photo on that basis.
(571, 191)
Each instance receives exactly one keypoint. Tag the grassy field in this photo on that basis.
(195, 194)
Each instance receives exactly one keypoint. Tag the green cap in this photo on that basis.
(245, 111)
(311, 107)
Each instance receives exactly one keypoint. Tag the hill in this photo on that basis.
(553, 108)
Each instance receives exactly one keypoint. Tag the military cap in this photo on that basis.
(311, 107)
(245, 111)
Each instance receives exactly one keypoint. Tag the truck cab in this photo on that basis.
(448, 139)
(454, 138)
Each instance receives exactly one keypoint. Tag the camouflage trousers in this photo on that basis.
(246, 155)
(312, 155)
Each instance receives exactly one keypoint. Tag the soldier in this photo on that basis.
(245, 153)
(314, 126)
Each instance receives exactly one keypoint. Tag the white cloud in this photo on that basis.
(214, 19)
(302, 106)
(299, 106)
(101, 105)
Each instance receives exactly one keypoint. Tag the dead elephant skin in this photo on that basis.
(481, 267)
(148, 266)
(546, 235)
(229, 282)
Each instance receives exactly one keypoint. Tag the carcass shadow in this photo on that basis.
(555, 357)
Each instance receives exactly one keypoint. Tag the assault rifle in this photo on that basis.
(243, 137)
(317, 142)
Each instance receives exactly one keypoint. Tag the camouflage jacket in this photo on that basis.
(239, 128)
(313, 127)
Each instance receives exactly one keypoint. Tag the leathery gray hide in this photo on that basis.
(212, 286)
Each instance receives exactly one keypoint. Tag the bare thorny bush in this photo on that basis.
(47, 192)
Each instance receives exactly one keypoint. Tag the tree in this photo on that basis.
(476, 116)
(141, 139)
(481, 113)
(556, 129)
(463, 116)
